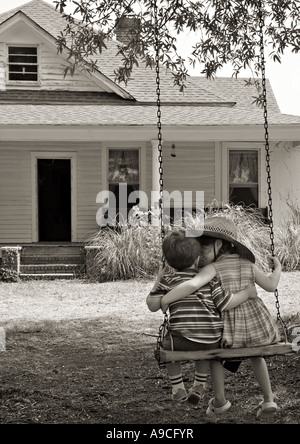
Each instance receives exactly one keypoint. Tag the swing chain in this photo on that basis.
(159, 343)
(159, 136)
(267, 151)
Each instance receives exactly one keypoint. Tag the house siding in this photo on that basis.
(51, 71)
(16, 205)
(198, 159)
(89, 184)
(285, 180)
(15, 194)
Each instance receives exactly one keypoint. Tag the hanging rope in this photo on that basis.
(267, 151)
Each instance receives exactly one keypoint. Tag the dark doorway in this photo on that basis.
(54, 199)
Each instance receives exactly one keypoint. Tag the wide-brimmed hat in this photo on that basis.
(223, 228)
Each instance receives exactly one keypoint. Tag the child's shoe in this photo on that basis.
(180, 395)
(196, 394)
(266, 409)
(212, 410)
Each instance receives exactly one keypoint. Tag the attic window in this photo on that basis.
(22, 63)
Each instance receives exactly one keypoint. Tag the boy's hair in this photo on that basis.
(181, 251)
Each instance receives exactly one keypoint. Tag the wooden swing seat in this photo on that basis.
(280, 348)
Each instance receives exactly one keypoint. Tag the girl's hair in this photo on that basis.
(227, 247)
(181, 251)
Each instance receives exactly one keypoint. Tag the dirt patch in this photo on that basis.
(99, 368)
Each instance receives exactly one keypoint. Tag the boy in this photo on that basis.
(195, 322)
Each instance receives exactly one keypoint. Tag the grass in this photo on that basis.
(82, 352)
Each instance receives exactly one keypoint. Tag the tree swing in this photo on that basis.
(282, 348)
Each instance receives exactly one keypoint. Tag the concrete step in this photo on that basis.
(48, 259)
(70, 250)
(45, 276)
(75, 269)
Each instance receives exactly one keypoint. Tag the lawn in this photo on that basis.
(79, 352)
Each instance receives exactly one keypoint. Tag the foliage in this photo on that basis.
(225, 32)
(126, 252)
(133, 250)
(288, 239)
(7, 275)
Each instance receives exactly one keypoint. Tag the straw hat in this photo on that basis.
(223, 228)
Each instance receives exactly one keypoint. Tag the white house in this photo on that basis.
(63, 140)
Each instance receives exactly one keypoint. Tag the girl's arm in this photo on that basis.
(189, 287)
(241, 297)
(268, 282)
(153, 300)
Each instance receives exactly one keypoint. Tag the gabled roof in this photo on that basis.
(102, 80)
(142, 85)
(224, 101)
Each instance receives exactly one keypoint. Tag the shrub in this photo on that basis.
(7, 275)
(133, 250)
(288, 239)
(126, 252)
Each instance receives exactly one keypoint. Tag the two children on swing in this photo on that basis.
(216, 306)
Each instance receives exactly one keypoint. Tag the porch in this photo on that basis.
(49, 260)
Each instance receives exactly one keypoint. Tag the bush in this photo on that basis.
(7, 275)
(126, 252)
(133, 250)
(288, 240)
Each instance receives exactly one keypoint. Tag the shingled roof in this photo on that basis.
(224, 101)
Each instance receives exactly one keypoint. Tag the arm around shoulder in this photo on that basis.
(153, 302)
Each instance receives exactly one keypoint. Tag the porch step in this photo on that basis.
(73, 269)
(48, 261)
(46, 276)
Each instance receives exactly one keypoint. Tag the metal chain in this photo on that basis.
(164, 326)
(267, 149)
(159, 135)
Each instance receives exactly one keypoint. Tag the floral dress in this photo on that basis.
(249, 324)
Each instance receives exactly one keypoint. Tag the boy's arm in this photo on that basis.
(189, 287)
(268, 282)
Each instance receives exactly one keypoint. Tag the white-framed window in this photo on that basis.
(23, 64)
(243, 171)
(242, 176)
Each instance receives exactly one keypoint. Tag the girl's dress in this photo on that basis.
(249, 324)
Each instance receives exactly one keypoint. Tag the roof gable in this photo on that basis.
(8, 23)
(142, 85)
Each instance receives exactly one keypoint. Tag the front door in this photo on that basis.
(54, 200)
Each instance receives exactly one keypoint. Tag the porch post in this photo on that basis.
(155, 183)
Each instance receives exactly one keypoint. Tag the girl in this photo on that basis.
(248, 325)
(195, 322)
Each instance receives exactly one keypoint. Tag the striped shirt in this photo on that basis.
(196, 317)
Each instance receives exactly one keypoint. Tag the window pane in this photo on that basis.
(23, 63)
(123, 166)
(243, 166)
(22, 50)
(243, 177)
